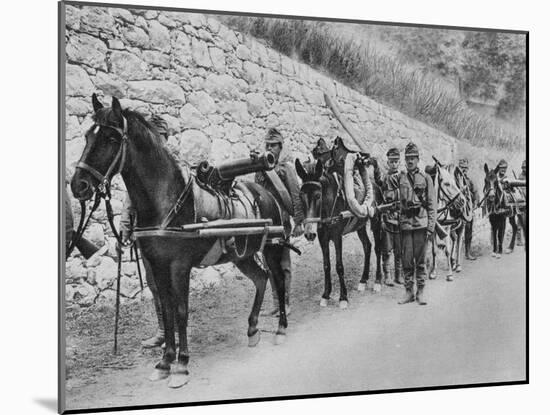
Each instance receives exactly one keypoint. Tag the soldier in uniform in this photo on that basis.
(391, 235)
(463, 165)
(523, 174)
(282, 182)
(127, 225)
(417, 222)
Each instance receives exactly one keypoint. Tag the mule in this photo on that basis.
(324, 200)
(499, 205)
(164, 194)
(452, 212)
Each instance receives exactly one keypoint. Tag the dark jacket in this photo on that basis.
(418, 204)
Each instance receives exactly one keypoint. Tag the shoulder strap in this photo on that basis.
(418, 196)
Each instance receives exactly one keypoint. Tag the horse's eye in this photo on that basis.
(317, 196)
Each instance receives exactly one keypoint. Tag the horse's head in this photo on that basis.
(321, 151)
(311, 194)
(491, 185)
(103, 155)
(448, 190)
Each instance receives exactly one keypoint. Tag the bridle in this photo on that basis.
(103, 190)
(331, 219)
(119, 159)
(452, 202)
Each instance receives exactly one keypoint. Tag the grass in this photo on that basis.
(381, 76)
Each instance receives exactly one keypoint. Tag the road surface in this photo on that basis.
(473, 330)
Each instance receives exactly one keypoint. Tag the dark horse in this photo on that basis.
(500, 204)
(495, 207)
(324, 200)
(122, 140)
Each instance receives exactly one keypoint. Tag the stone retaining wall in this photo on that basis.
(219, 91)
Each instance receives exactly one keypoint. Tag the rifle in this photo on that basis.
(439, 230)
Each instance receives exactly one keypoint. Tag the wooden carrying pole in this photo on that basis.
(333, 105)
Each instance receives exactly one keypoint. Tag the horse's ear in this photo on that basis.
(117, 109)
(95, 102)
(486, 168)
(318, 169)
(300, 170)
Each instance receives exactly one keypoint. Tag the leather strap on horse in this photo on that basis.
(282, 191)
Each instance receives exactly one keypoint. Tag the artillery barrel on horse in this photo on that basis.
(173, 208)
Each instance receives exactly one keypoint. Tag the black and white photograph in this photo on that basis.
(273, 206)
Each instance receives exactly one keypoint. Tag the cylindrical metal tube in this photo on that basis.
(231, 169)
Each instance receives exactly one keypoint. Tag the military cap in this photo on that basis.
(392, 153)
(411, 150)
(502, 164)
(463, 162)
(160, 124)
(273, 136)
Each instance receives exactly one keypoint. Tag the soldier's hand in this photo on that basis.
(298, 231)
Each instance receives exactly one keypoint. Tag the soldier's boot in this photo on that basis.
(468, 255)
(519, 238)
(420, 299)
(398, 272)
(386, 268)
(409, 295)
(155, 341)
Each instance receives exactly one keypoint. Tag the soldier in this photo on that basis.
(502, 167)
(417, 223)
(463, 165)
(391, 236)
(282, 182)
(127, 224)
(523, 174)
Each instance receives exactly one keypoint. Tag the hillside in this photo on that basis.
(470, 85)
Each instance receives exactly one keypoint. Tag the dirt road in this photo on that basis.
(472, 331)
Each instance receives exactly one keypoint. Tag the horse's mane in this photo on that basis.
(142, 131)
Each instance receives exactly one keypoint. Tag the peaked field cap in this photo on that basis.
(273, 136)
(463, 162)
(411, 150)
(502, 164)
(393, 153)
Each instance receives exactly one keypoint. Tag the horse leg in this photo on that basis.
(325, 248)
(521, 221)
(457, 248)
(340, 271)
(448, 254)
(512, 220)
(367, 246)
(179, 272)
(494, 227)
(378, 253)
(162, 280)
(259, 277)
(501, 232)
(433, 266)
(273, 256)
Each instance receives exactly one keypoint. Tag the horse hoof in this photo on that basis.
(254, 339)
(377, 287)
(177, 380)
(361, 287)
(279, 339)
(493, 254)
(432, 276)
(159, 374)
(343, 305)
(498, 256)
(450, 278)
(508, 251)
(458, 268)
(323, 302)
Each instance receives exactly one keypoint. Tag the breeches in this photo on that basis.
(414, 256)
